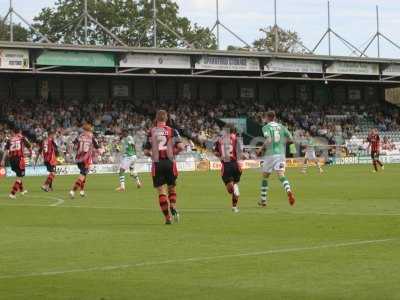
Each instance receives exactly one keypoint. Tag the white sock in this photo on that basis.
(122, 181)
(236, 191)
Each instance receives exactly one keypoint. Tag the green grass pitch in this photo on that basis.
(340, 241)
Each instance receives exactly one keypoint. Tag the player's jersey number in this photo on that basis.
(276, 135)
(15, 145)
(162, 142)
(84, 146)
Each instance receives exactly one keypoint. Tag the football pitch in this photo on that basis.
(340, 241)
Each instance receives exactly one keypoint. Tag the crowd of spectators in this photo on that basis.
(197, 121)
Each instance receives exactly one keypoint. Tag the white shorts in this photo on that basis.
(310, 155)
(274, 163)
(127, 162)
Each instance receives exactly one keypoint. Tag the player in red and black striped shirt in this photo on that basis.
(49, 150)
(163, 143)
(15, 149)
(85, 145)
(374, 144)
(229, 149)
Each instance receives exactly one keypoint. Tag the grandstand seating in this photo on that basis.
(339, 124)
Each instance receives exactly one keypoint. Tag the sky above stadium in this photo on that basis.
(352, 19)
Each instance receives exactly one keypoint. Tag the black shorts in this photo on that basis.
(84, 170)
(374, 155)
(231, 172)
(50, 168)
(164, 172)
(18, 166)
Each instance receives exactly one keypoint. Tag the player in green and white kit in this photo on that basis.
(274, 150)
(310, 154)
(128, 160)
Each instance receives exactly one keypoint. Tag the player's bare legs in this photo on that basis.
(135, 176)
(305, 166)
(233, 189)
(48, 184)
(172, 202)
(316, 161)
(164, 205)
(264, 190)
(286, 185)
(235, 197)
(377, 162)
(79, 185)
(121, 187)
(319, 166)
(17, 187)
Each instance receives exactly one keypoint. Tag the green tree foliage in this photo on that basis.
(21, 34)
(288, 41)
(131, 21)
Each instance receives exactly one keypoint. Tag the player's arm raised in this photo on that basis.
(38, 154)
(178, 145)
(216, 151)
(56, 149)
(5, 155)
(147, 146)
(96, 144)
(240, 145)
(28, 145)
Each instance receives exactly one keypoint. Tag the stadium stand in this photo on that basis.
(200, 122)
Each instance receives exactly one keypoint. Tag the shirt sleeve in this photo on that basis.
(266, 132)
(8, 145)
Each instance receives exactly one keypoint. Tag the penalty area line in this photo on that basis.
(198, 259)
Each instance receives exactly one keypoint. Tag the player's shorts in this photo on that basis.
(50, 167)
(83, 168)
(164, 172)
(127, 162)
(310, 155)
(274, 163)
(231, 172)
(18, 165)
(374, 155)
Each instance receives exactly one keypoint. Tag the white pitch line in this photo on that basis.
(196, 259)
(339, 213)
(245, 210)
(59, 201)
(14, 202)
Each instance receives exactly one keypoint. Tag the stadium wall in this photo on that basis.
(195, 165)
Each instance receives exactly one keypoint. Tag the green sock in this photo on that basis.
(285, 183)
(264, 190)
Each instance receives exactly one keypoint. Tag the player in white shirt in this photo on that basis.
(128, 160)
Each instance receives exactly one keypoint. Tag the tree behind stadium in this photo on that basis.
(21, 34)
(131, 21)
(289, 41)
